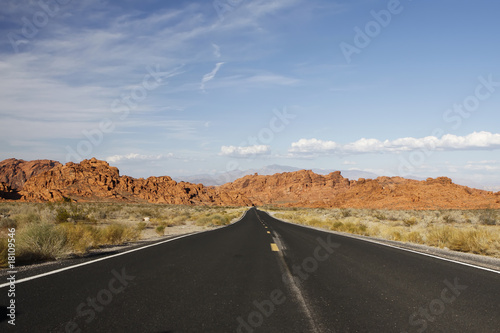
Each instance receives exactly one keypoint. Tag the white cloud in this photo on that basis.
(473, 141)
(247, 151)
(210, 76)
(135, 157)
(313, 146)
(217, 53)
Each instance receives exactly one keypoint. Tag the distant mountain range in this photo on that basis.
(217, 179)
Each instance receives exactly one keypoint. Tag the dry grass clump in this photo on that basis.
(3, 252)
(472, 231)
(81, 238)
(477, 240)
(40, 241)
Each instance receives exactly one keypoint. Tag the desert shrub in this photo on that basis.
(439, 236)
(131, 234)
(345, 212)
(315, 222)
(396, 235)
(41, 242)
(410, 221)
(4, 210)
(113, 234)
(355, 228)
(379, 215)
(152, 212)
(7, 222)
(337, 225)
(97, 215)
(350, 227)
(218, 219)
(448, 219)
(160, 230)
(26, 218)
(180, 220)
(77, 212)
(81, 238)
(362, 229)
(3, 252)
(62, 215)
(141, 226)
(488, 217)
(414, 237)
(474, 241)
(212, 220)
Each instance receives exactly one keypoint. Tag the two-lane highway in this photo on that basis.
(260, 275)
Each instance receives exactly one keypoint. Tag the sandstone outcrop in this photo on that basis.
(289, 188)
(15, 173)
(94, 180)
(400, 193)
(306, 189)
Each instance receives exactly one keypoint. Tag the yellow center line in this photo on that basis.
(268, 232)
(274, 247)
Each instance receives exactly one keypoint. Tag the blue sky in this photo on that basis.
(187, 87)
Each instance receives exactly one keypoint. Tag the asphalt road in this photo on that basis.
(260, 275)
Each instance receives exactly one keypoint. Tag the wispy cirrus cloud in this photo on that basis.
(210, 76)
(474, 141)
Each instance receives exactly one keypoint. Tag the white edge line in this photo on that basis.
(3, 285)
(395, 247)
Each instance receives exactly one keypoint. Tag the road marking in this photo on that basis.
(294, 285)
(274, 247)
(268, 232)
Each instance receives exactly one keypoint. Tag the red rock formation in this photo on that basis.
(94, 180)
(289, 188)
(15, 173)
(400, 193)
(307, 189)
